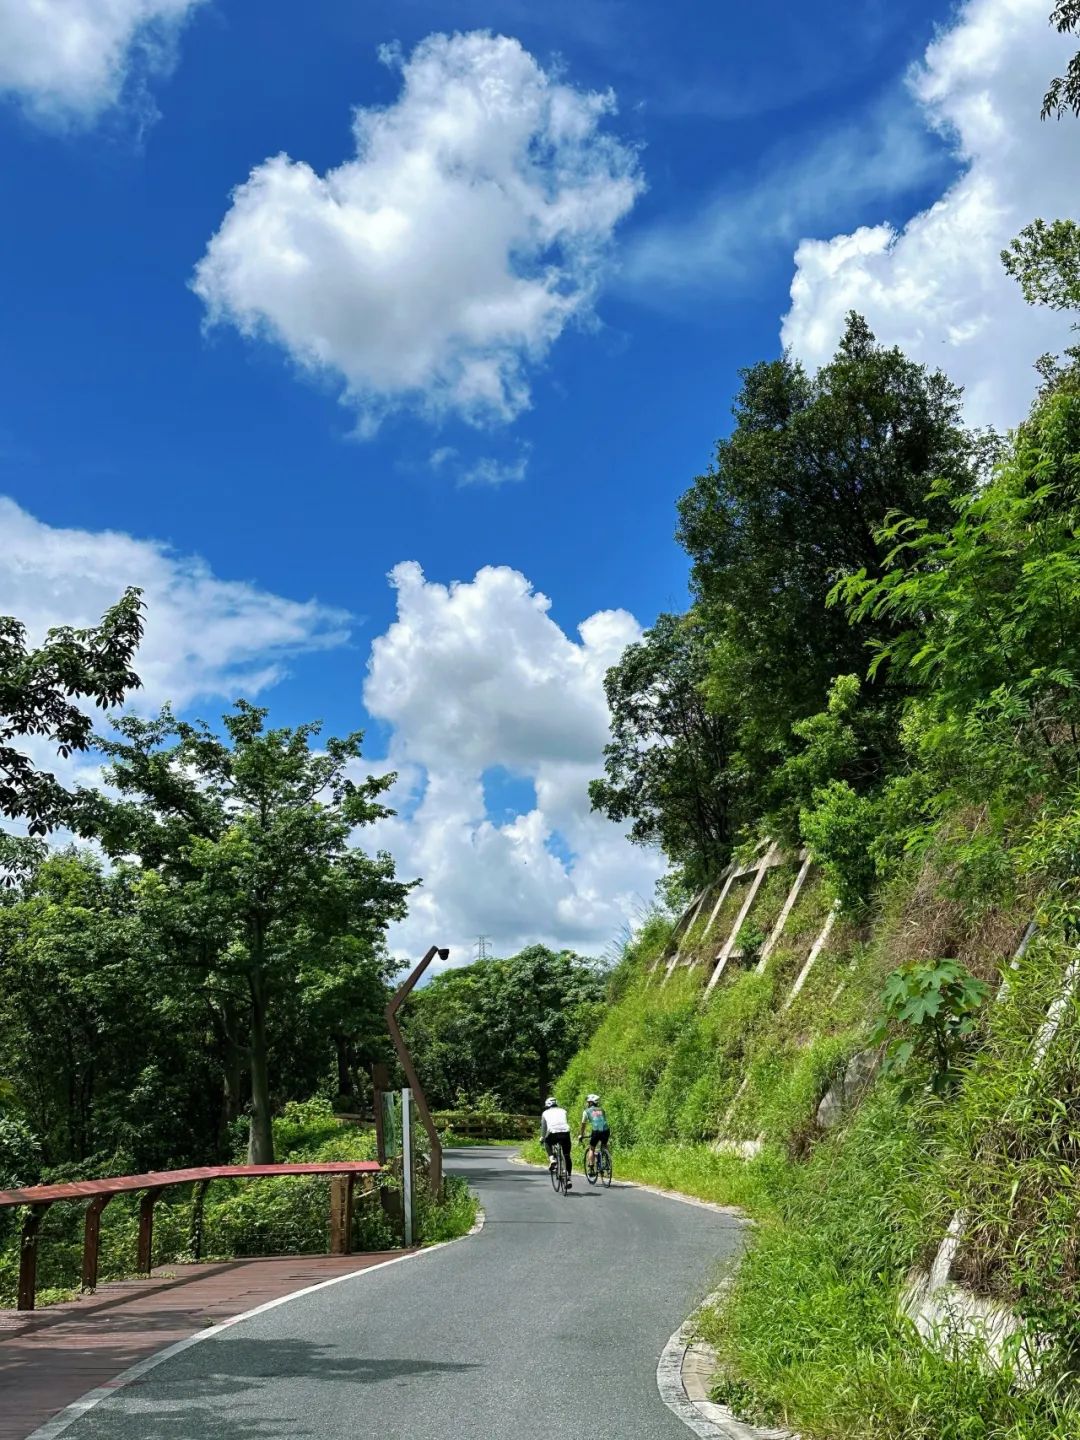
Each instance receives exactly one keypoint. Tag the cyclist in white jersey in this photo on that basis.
(555, 1130)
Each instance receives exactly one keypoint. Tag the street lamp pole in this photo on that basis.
(407, 1065)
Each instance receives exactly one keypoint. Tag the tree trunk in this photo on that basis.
(345, 1083)
(261, 1139)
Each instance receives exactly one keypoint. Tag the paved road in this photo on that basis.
(556, 1304)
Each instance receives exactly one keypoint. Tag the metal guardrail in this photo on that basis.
(38, 1199)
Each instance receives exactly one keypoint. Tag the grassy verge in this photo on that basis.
(274, 1216)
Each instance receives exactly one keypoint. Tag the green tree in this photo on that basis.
(249, 870)
(550, 1004)
(795, 498)
(40, 690)
(667, 765)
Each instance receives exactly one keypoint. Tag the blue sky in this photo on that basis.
(736, 133)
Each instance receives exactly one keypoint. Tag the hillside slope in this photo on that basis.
(751, 1079)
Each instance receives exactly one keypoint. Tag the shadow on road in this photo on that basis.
(191, 1405)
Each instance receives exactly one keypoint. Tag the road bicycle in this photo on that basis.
(558, 1175)
(600, 1169)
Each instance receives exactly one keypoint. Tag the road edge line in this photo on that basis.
(78, 1408)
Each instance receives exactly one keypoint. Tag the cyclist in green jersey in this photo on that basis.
(594, 1119)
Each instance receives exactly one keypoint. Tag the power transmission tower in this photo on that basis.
(483, 947)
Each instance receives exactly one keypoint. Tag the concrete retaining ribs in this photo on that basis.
(678, 929)
(689, 929)
(756, 872)
(818, 946)
(772, 857)
(781, 919)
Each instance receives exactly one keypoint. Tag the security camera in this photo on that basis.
(444, 954)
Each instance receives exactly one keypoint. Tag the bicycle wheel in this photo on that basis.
(555, 1172)
(590, 1170)
(560, 1170)
(605, 1166)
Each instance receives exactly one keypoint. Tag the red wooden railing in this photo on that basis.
(99, 1192)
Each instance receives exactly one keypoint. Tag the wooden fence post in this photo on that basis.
(92, 1240)
(28, 1256)
(198, 1203)
(145, 1261)
(341, 1214)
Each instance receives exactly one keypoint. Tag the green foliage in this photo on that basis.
(936, 1007)
(500, 1030)
(666, 765)
(1064, 92)
(40, 692)
(981, 616)
(840, 830)
(1045, 261)
(795, 497)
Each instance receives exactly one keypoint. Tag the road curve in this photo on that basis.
(547, 1322)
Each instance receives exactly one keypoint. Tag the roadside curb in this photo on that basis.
(78, 1408)
(682, 1378)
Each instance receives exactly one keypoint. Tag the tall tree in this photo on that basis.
(100, 1038)
(667, 765)
(795, 498)
(250, 873)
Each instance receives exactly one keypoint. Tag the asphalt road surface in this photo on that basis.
(549, 1322)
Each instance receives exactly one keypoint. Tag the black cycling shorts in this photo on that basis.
(599, 1137)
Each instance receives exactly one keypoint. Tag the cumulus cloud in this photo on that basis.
(71, 59)
(476, 676)
(936, 287)
(441, 263)
(206, 637)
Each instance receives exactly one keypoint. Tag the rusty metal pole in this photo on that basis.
(435, 1178)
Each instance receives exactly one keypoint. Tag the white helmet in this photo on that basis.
(592, 1099)
(549, 1102)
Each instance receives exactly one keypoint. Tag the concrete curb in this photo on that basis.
(682, 1378)
(75, 1411)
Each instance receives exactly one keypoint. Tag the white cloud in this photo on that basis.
(71, 59)
(477, 675)
(740, 226)
(443, 261)
(937, 287)
(206, 638)
(488, 470)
